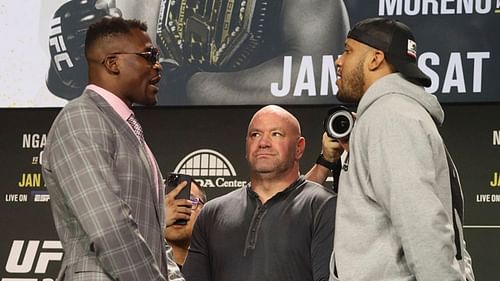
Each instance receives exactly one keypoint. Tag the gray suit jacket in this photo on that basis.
(103, 198)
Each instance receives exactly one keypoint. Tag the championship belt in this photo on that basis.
(216, 35)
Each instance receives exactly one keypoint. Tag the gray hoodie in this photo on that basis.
(394, 218)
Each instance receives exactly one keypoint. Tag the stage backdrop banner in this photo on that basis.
(245, 52)
(209, 143)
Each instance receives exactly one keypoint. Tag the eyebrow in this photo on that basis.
(271, 129)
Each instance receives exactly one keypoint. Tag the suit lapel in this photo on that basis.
(124, 130)
(106, 109)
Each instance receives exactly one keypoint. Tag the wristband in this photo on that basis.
(325, 163)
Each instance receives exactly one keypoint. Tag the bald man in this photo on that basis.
(106, 188)
(279, 226)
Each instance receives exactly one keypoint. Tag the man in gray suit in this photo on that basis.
(105, 185)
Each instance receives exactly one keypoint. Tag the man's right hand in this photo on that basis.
(332, 149)
(176, 209)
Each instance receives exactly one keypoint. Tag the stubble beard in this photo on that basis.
(352, 85)
(273, 169)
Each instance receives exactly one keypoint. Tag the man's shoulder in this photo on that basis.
(83, 103)
(223, 205)
(315, 197)
(317, 191)
(233, 197)
(318, 188)
(82, 113)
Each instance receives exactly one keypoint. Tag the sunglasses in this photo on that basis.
(152, 55)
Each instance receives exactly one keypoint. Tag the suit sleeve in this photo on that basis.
(82, 159)
(469, 272)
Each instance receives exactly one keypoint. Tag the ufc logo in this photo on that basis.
(22, 258)
(56, 41)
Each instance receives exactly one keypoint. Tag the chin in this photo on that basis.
(264, 170)
(154, 102)
(344, 97)
(176, 237)
(150, 101)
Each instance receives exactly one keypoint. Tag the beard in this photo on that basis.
(269, 166)
(352, 85)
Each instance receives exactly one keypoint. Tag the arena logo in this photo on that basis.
(23, 258)
(437, 7)
(210, 169)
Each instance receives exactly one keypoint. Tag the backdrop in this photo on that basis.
(242, 52)
(208, 142)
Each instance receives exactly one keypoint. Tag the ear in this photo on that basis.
(301, 146)
(111, 64)
(376, 60)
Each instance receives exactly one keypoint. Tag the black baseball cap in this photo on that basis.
(396, 40)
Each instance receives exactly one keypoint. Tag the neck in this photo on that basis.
(179, 252)
(372, 76)
(268, 185)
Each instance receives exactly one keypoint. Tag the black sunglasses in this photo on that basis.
(152, 55)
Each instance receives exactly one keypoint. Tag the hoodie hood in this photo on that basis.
(396, 84)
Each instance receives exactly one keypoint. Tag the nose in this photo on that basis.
(338, 64)
(264, 141)
(157, 66)
(338, 61)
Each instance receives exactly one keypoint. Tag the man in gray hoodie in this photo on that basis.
(394, 217)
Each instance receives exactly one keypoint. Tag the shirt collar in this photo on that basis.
(114, 101)
(300, 180)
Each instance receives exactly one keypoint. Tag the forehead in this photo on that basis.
(352, 43)
(195, 190)
(268, 119)
(133, 41)
(139, 37)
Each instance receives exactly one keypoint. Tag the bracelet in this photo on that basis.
(325, 163)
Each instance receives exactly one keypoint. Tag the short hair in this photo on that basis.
(111, 26)
(202, 191)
